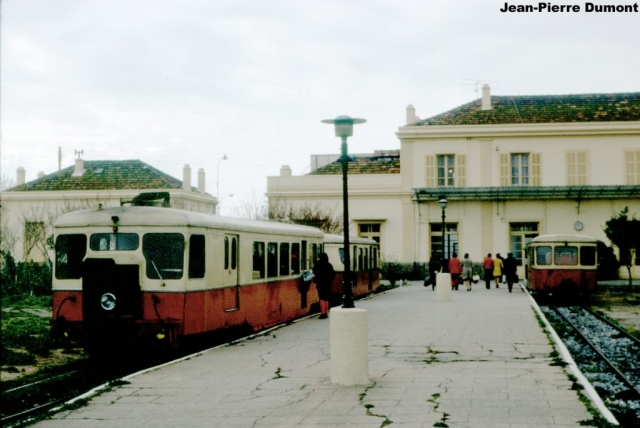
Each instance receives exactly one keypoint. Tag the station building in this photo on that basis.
(29, 208)
(509, 167)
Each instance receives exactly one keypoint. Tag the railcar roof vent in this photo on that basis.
(149, 199)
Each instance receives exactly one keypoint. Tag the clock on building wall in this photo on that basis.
(578, 225)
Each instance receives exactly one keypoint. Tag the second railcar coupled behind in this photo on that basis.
(364, 257)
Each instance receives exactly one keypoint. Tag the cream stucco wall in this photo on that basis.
(483, 225)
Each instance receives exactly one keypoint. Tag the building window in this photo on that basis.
(450, 239)
(370, 231)
(632, 167)
(520, 234)
(446, 171)
(520, 169)
(576, 168)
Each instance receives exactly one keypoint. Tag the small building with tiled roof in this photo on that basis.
(29, 208)
(510, 167)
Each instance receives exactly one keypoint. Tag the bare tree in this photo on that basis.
(6, 183)
(318, 215)
(253, 208)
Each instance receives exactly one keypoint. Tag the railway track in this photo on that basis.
(30, 399)
(608, 357)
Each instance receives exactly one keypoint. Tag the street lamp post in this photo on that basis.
(344, 128)
(443, 204)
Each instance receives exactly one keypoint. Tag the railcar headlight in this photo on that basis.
(160, 335)
(108, 301)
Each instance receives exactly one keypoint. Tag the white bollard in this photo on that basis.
(349, 346)
(443, 287)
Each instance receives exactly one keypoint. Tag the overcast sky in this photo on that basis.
(186, 82)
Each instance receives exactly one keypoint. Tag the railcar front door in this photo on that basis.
(230, 274)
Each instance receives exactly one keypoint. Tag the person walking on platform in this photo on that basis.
(487, 264)
(324, 274)
(510, 269)
(497, 269)
(455, 269)
(434, 268)
(467, 271)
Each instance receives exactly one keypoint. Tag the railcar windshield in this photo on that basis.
(114, 241)
(543, 255)
(565, 256)
(70, 252)
(164, 254)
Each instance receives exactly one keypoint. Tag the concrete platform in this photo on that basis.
(479, 360)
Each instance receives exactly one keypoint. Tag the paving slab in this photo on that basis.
(479, 360)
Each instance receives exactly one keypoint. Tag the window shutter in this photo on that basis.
(581, 167)
(632, 160)
(461, 170)
(535, 169)
(431, 171)
(504, 169)
(571, 168)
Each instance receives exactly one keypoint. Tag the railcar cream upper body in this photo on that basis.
(563, 252)
(107, 226)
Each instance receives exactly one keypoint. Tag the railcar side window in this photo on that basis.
(303, 256)
(70, 252)
(164, 254)
(196, 256)
(295, 258)
(566, 256)
(234, 253)
(366, 258)
(114, 241)
(588, 256)
(258, 260)
(284, 259)
(360, 259)
(272, 259)
(543, 255)
(226, 252)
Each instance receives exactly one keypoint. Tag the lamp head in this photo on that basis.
(344, 125)
(443, 202)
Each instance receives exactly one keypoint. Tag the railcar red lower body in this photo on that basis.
(169, 317)
(366, 282)
(561, 280)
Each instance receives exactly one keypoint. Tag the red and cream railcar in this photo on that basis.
(562, 265)
(364, 264)
(144, 273)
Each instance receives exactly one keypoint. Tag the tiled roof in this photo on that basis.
(104, 175)
(543, 109)
(380, 162)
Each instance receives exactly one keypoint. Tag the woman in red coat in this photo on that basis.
(455, 269)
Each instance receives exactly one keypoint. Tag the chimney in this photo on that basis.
(285, 171)
(201, 180)
(40, 174)
(78, 168)
(20, 176)
(411, 115)
(186, 177)
(486, 97)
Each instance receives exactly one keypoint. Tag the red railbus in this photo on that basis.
(562, 265)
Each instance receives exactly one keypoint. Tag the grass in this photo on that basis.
(24, 334)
